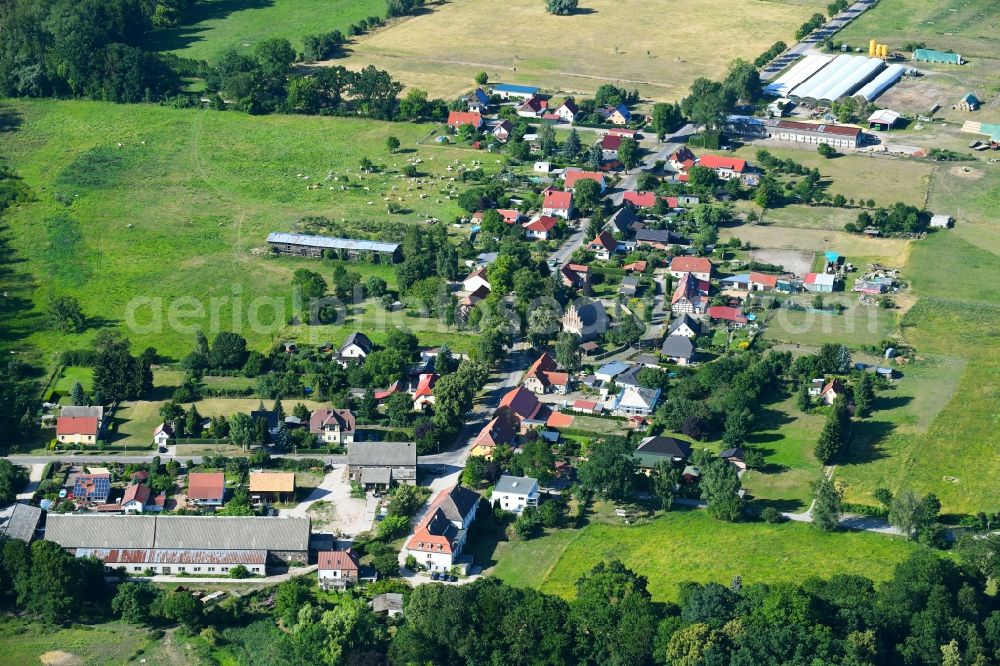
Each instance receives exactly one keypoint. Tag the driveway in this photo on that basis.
(339, 513)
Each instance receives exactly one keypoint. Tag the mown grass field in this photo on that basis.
(147, 202)
(223, 24)
(32, 643)
(689, 545)
(659, 49)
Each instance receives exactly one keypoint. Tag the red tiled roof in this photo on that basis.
(559, 420)
(557, 199)
(521, 402)
(723, 162)
(682, 155)
(137, 492)
(544, 363)
(570, 178)
(672, 202)
(726, 313)
(337, 560)
(764, 279)
(382, 395)
(604, 240)
(556, 378)
(426, 385)
(640, 199)
(578, 268)
(541, 224)
(833, 385)
(456, 118)
(509, 215)
(810, 278)
(500, 430)
(344, 418)
(585, 405)
(206, 485)
(691, 265)
(611, 142)
(76, 425)
(636, 266)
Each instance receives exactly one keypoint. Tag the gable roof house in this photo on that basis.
(587, 320)
(532, 107)
(469, 301)
(624, 221)
(206, 488)
(355, 348)
(699, 266)
(763, 281)
(138, 498)
(726, 168)
(523, 404)
(92, 488)
(572, 176)
(438, 539)
(502, 130)
(640, 199)
(383, 464)
(540, 227)
(567, 110)
(690, 295)
(616, 115)
(685, 325)
(543, 376)
(609, 144)
(558, 203)
(458, 119)
(478, 101)
(679, 349)
(730, 315)
(337, 569)
(333, 426)
(85, 411)
(635, 401)
(682, 159)
(266, 487)
(476, 279)
(576, 276)
(831, 391)
(424, 394)
(501, 429)
(629, 287)
(77, 429)
(653, 450)
(660, 239)
(603, 245)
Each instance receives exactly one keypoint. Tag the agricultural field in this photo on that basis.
(144, 205)
(606, 41)
(223, 24)
(32, 643)
(690, 545)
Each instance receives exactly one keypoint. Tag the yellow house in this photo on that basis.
(76, 430)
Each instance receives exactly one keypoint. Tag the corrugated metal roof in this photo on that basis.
(22, 523)
(382, 454)
(96, 531)
(330, 242)
(143, 556)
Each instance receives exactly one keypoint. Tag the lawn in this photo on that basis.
(218, 25)
(857, 325)
(32, 643)
(890, 251)
(173, 221)
(607, 41)
(692, 546)
(969, 27)
(69, 376)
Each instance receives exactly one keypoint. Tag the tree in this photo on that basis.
(666, 119)
(700, 177)
(586, 194)
(904, 512)
(708, 103)
(542, 325)
(571, 146)
(392, 144)
(229, 351)
(561, 7)
(628, 153)
(827, 507)
(482, 78)
(768, 193)
(665, 479)
(134, 602)
(613, 616)
(182, 608)
(241, 430)
(399, 407)
(12, 479)
(67, 314)
(864, 393)
(76, 394)
(610, 468)
(547, 139)
(830, 439)
(567, 349)
(802, 399)
(883, 496)
(720, 486)
(743, 80)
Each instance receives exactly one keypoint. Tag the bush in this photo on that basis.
(826, 150)
(561, 7)
(772, 515)
(240, 572)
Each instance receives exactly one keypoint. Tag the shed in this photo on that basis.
(941, 221)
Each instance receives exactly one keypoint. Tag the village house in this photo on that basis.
(423, 396)
(514, 493)
(162, 435)
(383, 464)
(476, 279)
(690, 296)
(502, 130)
(270, 487)
(92, 488)
(557, 203)
(206, 489)
(638, 266)
(732, 316)
(586, 321)
(389, 603)
(679, 349)
(576, 276)
(78, 430)
(478, 101)
(337, 569)
(533, 107)
(635, 401)
(831, 391)
(734, 456)
(523, 404)
(333, 426)
(567, 111)
(660, 239)
(458, 119)
(541, 227)
(603, 246)
(356, 347)
(609, 144)
(573, 176)
(501, 429)
(727, 168)
(138, 498)
(640, 199)
(654, 450)
(682, 159)
(685, 325)
(470, 300)
(624, 221)
(700, 267)
(629, 287)
(543, 376)
(507, 91)
(438, 539)
(616, 115)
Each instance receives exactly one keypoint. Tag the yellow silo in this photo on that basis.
(872, 48)
(884, 51)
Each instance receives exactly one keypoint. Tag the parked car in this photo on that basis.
(435, 576)
(452, 579)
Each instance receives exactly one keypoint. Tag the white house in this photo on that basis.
(685, 325)
(557, 203)
(333, 426)
(355, 348)
(138, 498)
(438, 540)
(540, 227)
(567, 110)
(513, 493)
(163, 434)
(635, 401)
(700, 267)
(337, 569)
(475, 280)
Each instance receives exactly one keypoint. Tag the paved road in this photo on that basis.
(573, 242)
(84, 459)
(832, 27)
(659, 152)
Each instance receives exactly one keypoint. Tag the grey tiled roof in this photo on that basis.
(22, 522)
(382, 454)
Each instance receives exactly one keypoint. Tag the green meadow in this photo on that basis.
(156, 218)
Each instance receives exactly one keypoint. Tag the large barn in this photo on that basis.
(313, 246)
(182, 544)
